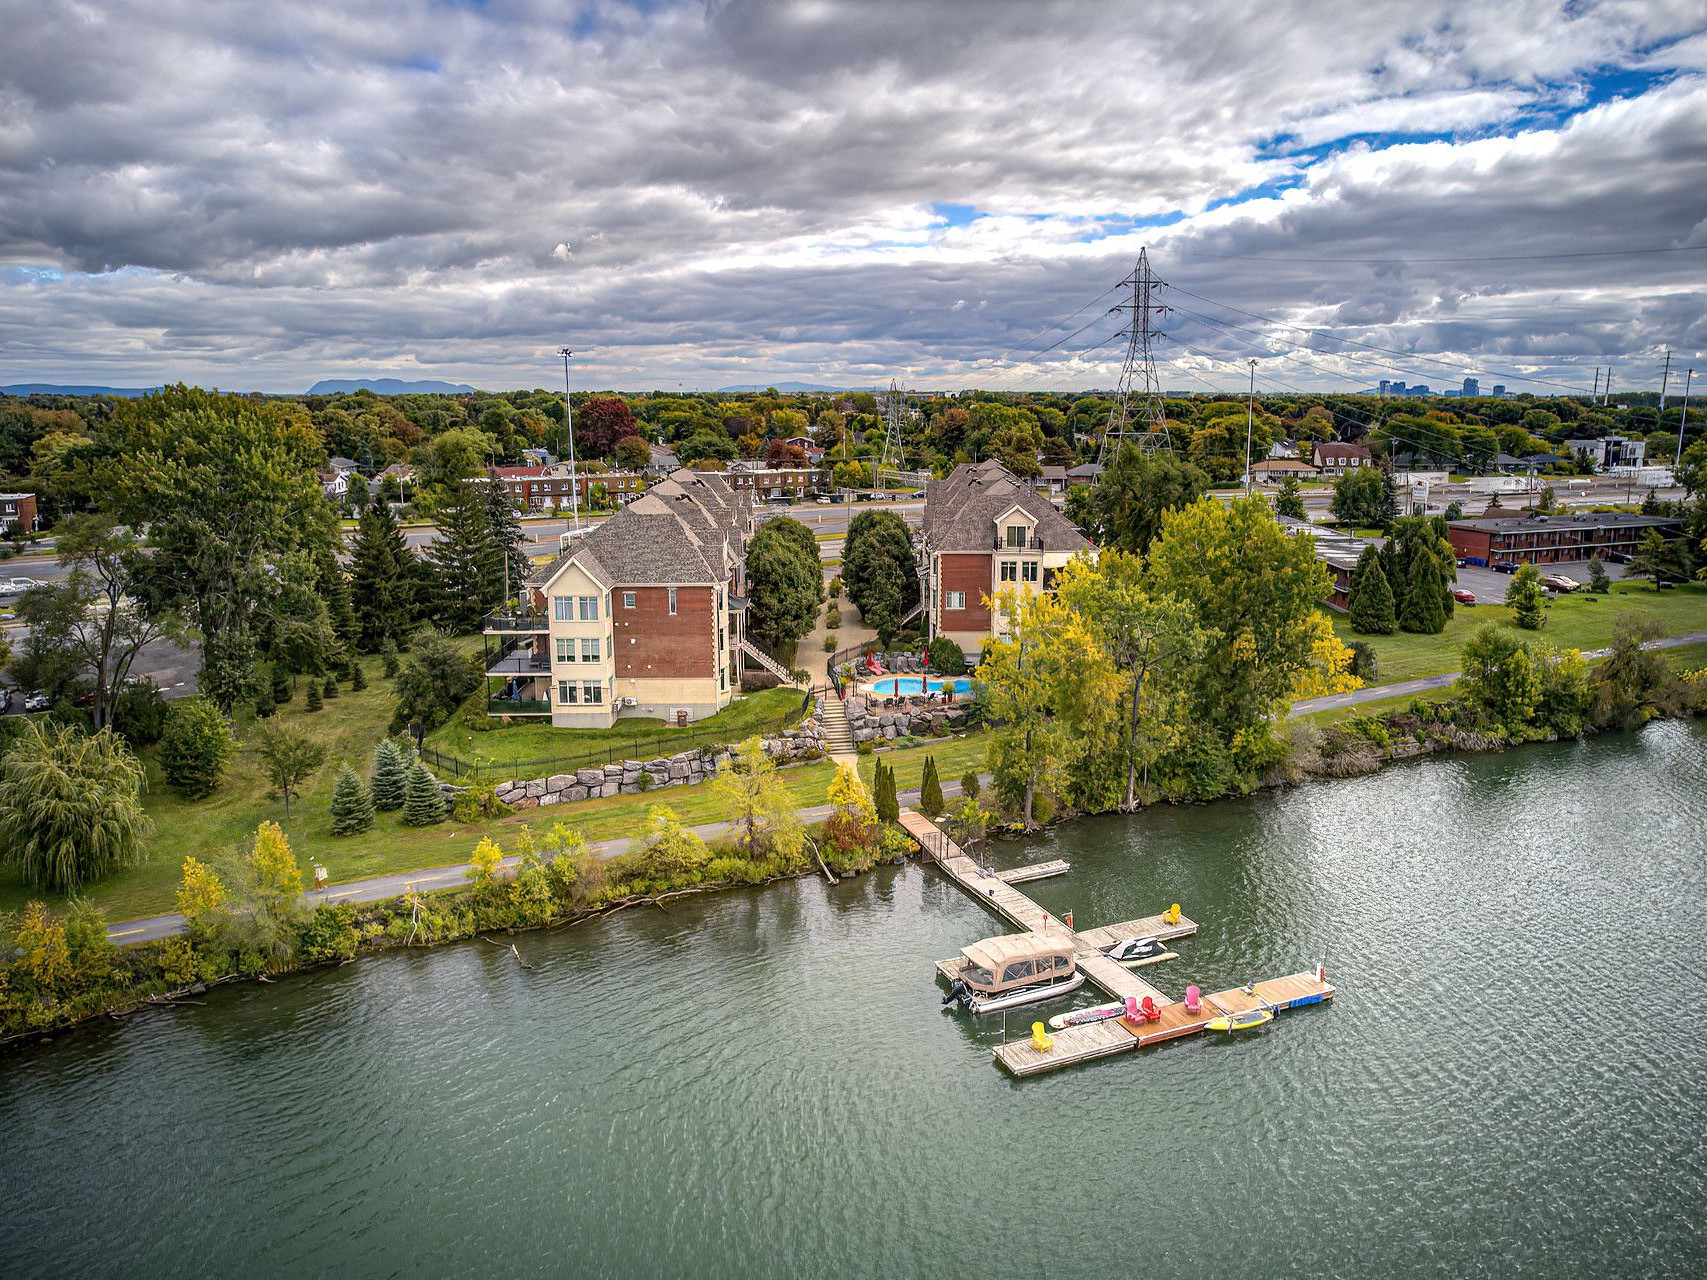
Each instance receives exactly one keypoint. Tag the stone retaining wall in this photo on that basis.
(867, 722)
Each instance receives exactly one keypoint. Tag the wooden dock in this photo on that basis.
(1113, 1035)
(1036, 871)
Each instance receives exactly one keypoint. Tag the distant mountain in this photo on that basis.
(54, 389)
(388, 387)
(780, 386)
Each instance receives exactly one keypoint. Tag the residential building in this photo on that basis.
(1277, 469)
(663, 462)
(550, 488)
(1554, 539)
(814, 453)
(772, 484)
(1084, 473)
(985, 531)
(1610, 452)
(343, 466)
(1333, 459)
(1051, 481)
(17, 512)
(643, 615)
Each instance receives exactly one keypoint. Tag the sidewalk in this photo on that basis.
(379, 888)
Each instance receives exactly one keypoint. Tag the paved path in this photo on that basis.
(380, 888)
(1377, 692)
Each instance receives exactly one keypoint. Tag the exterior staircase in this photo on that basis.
(763, 659)
(912, 613)
(838, 738)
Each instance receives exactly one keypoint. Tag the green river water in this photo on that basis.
(763, 1083)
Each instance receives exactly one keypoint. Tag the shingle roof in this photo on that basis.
(961, 511)
(686, 529)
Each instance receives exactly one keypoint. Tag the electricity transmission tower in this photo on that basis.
(1137, 416)
(891, 459)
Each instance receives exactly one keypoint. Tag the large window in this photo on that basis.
(954, 600)
(1017, 534)
(1009, 571)
(565, 649)
(568, 692)
(590, 649)
(1028, 570)
(563, 608)
(592, 693)
(589, 608)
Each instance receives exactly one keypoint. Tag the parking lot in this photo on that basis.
(1489, 586)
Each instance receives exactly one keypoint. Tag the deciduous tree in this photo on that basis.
(70, 806)
(289, 758)
(195, 748)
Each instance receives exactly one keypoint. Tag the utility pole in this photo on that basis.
(569, 426)
(1594, 396)
(1142, 312)
(1606, 396)
(1250, 414)
(1664, 378)
(1682, 421)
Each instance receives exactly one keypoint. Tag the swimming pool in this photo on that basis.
(912, 686)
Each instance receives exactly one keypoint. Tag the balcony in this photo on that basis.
(517, 707)
(519, 658)
(1032, 543)
(515, 622)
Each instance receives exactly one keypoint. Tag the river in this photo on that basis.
(763, 1083)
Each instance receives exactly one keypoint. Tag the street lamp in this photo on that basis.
(569, 427)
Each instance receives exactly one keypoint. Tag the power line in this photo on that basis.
(1050, 329)
(1511, 257)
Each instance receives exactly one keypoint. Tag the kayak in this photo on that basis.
(1079, 1017)
(1249, 1020)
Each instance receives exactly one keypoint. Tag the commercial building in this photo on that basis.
(550, 488)
(1553, 539)
(642, 615)
(1608, 453)
(1472, 386)
(985, 531)
(17, 512)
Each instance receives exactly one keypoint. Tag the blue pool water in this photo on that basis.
(905, 686)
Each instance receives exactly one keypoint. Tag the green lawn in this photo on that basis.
(537, 740)
(1576, 621)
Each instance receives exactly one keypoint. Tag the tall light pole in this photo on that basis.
(1682, 422)
(1250, 413)
(569, 426)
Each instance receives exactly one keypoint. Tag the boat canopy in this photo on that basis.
(1016, 960)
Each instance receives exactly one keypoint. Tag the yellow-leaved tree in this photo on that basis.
(760, 808)
(1330, 664)
(201, 893)
(851, 830)
(273, 863)
(484, 864)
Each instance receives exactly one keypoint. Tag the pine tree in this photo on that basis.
(1370, 601)
(888, 800)
(1599, 581)
(389, 663)
(504, 526)
(466, 562)
(1524, 597)
(423, 805)
(930, 790)
(264, 706)
(390, 776)
(382, 589)
(281, 684)
(330, 687)
(352, 806)
(315, 699)
(358, 678)
(1423, 612)
(1388, 510)
(335, 591)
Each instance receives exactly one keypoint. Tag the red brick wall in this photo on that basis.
(1470, 543)
(969, 573)
(665, 646)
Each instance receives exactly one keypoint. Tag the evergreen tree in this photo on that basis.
(888, 800)
(315, 699)
(195, 747)
(930, 790)
(1371, 599)
(1289, 501)
(389, 663)
(358, 678)
(264, 706)
(969, 785)
(1524, 597)
(504, 527)
(352, 806)
(281, 684)
(390, 776)
(340, 612)
(1599, 581)
(382, 589)
(1387, 510)
(423, 805)
(330, 687)
(1422, 611)
(467, 564)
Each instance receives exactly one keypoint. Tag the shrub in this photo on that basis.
(281, 685)
(969, 786)
(947, 658)
(352, 806)
(195, 748)
(330, 688)
(830, 643)
(1365, 665)
(389, 663)
(478, 803)
(140, 714)
(358, 678)
(330, 934)
(264, 706)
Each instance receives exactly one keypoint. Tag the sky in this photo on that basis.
(259, 195)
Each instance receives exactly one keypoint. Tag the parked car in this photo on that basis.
(824, 500)
(1462, 596)
(1504, 566)
(37, 701)
(1562, 583)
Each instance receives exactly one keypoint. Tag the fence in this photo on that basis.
(841, 658)
(666, 743)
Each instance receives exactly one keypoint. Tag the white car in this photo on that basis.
(37, 701)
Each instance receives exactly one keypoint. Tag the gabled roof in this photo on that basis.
(686, 530)
(961, 510)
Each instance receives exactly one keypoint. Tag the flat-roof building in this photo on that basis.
(1553, 539)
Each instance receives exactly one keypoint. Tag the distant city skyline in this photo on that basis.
(259, 197)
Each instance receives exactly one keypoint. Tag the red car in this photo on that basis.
(1462, 596)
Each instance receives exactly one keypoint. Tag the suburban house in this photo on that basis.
(642, 615)
(814, 453)
(985, 531)
(1276, 469)
(772, 484)
(1051, 481)
(549, 488)
(1554, 539)
(1609, 453)
(17, 512)
(1334, 459)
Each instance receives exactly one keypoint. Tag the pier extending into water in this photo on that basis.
(1112, 1035)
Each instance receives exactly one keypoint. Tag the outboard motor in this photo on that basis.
(957, 990)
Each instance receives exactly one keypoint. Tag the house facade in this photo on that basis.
(552, 488)
(771, 484)
(643, 615)
(986, 531)
(1554, 539)
(1334, 459)
(17, 512)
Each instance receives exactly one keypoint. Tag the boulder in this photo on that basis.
(575, 793)
(527, 802)
(678, 770)
(551, 797)
(558, 781)
(590, 777)
(613, 771)
(536, 788)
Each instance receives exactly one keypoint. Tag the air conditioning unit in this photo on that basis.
(626, 703)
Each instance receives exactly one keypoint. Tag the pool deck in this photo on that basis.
(1113, 1035)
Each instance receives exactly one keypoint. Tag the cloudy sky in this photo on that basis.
(258, 195)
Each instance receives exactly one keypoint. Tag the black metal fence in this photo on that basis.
(666, 743)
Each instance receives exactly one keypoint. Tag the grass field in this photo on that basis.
(536, 740)
(1576, 621)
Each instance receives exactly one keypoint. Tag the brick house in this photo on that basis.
(643, 615)
(1554, 539)
(17, 512)
(549, 488)
(772, 483)
(985, 531)
(1333, 459)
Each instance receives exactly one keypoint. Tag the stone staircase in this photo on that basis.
(838, 737)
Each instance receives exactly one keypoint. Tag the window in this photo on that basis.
(1017, 970)
(563, 608)
(954, 600)
(1010, 571)
(672, 600)
(1028, 570)
(590, 649)
(566, 693)
(1016, 535)
(628, 599)
(565, 649)
(592, 694)
(589, 608)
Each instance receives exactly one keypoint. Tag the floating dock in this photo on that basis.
(1036, 871)
(1112, 1035)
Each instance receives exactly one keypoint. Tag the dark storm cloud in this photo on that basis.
(257, 195)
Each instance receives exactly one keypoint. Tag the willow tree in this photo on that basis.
(70, 806)
(761, 811)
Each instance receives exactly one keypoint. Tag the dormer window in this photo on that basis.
(1017, 535)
